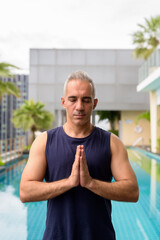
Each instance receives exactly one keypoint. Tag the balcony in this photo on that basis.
(152, 63)
(149, 73)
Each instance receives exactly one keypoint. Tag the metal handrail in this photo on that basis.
(149, 65)
(11, 148)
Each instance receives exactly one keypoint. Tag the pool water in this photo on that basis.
(132, 221)
(140, 220)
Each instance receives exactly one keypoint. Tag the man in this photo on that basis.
(78, 161)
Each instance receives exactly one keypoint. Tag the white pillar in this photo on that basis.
(153, 119)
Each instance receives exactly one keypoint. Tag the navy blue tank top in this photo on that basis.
(78, 214)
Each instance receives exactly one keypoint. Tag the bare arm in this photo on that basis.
(32, 187)
(125, 187)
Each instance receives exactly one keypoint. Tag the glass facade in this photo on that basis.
(7, 105)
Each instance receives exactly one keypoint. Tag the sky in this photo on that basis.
(26, 24)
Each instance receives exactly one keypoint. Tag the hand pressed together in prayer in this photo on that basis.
(80, 173)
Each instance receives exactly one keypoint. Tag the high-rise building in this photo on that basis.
(7, 105)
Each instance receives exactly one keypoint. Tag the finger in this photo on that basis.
(77, 151)
(83, 155)
(76, 165)
(76, 160)
(82, 165)
(81, 150)
(83, 162)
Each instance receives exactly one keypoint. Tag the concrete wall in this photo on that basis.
(115, 73)
(131, 132)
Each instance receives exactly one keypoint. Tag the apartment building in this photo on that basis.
(7, 105)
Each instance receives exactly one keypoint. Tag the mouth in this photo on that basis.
(79, 115)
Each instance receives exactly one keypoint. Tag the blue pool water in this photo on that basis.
(132, 221)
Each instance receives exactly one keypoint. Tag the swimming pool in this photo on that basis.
(140, 221)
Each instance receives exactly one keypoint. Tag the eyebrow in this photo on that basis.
(86, 97)
(70, 97)
(89, 98)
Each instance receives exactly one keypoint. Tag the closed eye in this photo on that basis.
(72, 99)
(87, 99)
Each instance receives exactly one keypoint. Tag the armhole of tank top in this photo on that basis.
(110, 155)
(46, 148)
(110, 146)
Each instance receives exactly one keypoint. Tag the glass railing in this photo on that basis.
(149, 65)
(10, 149)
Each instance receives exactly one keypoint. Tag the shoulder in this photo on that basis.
(116, 145)
(40, 141)
(102, 132)
(115, 139)
(53, 131)
(45, 138)
(53, 134)
(41, 137)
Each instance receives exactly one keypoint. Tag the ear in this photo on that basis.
(95, 103)
(63, 102)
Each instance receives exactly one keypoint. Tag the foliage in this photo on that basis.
(147, 38)
(7, 87)
(26, 148)
(111, 115)
(144, 115)
(1, 163)
(5, 69)
(158, 144)
(116, 132)
(31, 115)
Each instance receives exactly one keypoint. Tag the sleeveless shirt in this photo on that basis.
(78, 214)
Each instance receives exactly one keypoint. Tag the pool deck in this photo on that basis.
(156, 156)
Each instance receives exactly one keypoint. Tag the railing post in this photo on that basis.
(11, 148)
(14, 147)
(0, 146)
(5, 150)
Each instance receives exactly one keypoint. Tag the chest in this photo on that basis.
(61, 156)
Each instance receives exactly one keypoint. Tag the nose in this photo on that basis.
(79, 106)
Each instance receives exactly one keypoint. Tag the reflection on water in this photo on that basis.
(145, 162)
(153, 185)
(19, 221)
(13, 215)
(149, 184)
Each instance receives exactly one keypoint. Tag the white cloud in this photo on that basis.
(26, 24)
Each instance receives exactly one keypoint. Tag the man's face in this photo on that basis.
(78, 102)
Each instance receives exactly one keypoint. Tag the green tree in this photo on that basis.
(112, 116)
(31, 115)
(144, 115)
(8, 87)
(5, 69)
(147, 38)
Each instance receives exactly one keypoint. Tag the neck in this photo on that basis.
(78, 131)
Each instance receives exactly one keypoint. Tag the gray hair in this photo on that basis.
(83, 76)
